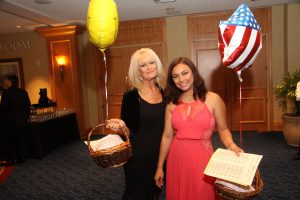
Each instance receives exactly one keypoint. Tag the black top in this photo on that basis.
(130, 108)
(14, 108)
(146, 122)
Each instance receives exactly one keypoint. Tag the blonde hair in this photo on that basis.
(133, 73)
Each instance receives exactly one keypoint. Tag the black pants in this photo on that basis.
(14, 143)
(133, 191)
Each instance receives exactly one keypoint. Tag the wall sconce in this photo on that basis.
(61, 61)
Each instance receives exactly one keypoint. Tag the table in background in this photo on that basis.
(47, 135)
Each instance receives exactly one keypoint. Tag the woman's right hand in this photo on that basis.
(159, 178)
(115, 125)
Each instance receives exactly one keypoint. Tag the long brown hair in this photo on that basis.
(199, 89)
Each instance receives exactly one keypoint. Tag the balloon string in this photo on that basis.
(105, 79)
(241, 136)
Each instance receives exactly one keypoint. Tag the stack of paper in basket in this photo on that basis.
(106, 142)
(232, 171)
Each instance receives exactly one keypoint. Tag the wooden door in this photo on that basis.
(251, 112)
(117, 62)
(224, 81)
(207, 58)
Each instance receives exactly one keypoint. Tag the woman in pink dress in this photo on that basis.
(190, 119)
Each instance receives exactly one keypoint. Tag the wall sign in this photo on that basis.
(6, 46)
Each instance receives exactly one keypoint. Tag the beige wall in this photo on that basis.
(88, 81)
(285, 27)
(35, 61)
(36, 68)
(177, 37)
(293, 31)
(277, 62)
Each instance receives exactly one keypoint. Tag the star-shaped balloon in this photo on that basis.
(240, 40)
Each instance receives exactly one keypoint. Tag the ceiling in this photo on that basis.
(28, 14)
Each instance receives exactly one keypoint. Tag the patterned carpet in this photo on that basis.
(70, 173)
(278, 170)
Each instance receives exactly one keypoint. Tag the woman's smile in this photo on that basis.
(183, 77)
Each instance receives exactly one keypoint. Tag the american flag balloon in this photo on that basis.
(240, 40)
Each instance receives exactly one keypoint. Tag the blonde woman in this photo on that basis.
(142, 114)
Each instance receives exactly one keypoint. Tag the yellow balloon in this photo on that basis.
(102, 22)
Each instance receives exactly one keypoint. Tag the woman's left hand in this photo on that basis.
(115, 124)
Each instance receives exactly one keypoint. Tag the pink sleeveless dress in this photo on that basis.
(190, 152)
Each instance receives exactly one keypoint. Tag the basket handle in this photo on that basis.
(97, 126)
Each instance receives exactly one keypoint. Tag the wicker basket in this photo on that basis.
(111, 157)
(228, 194)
